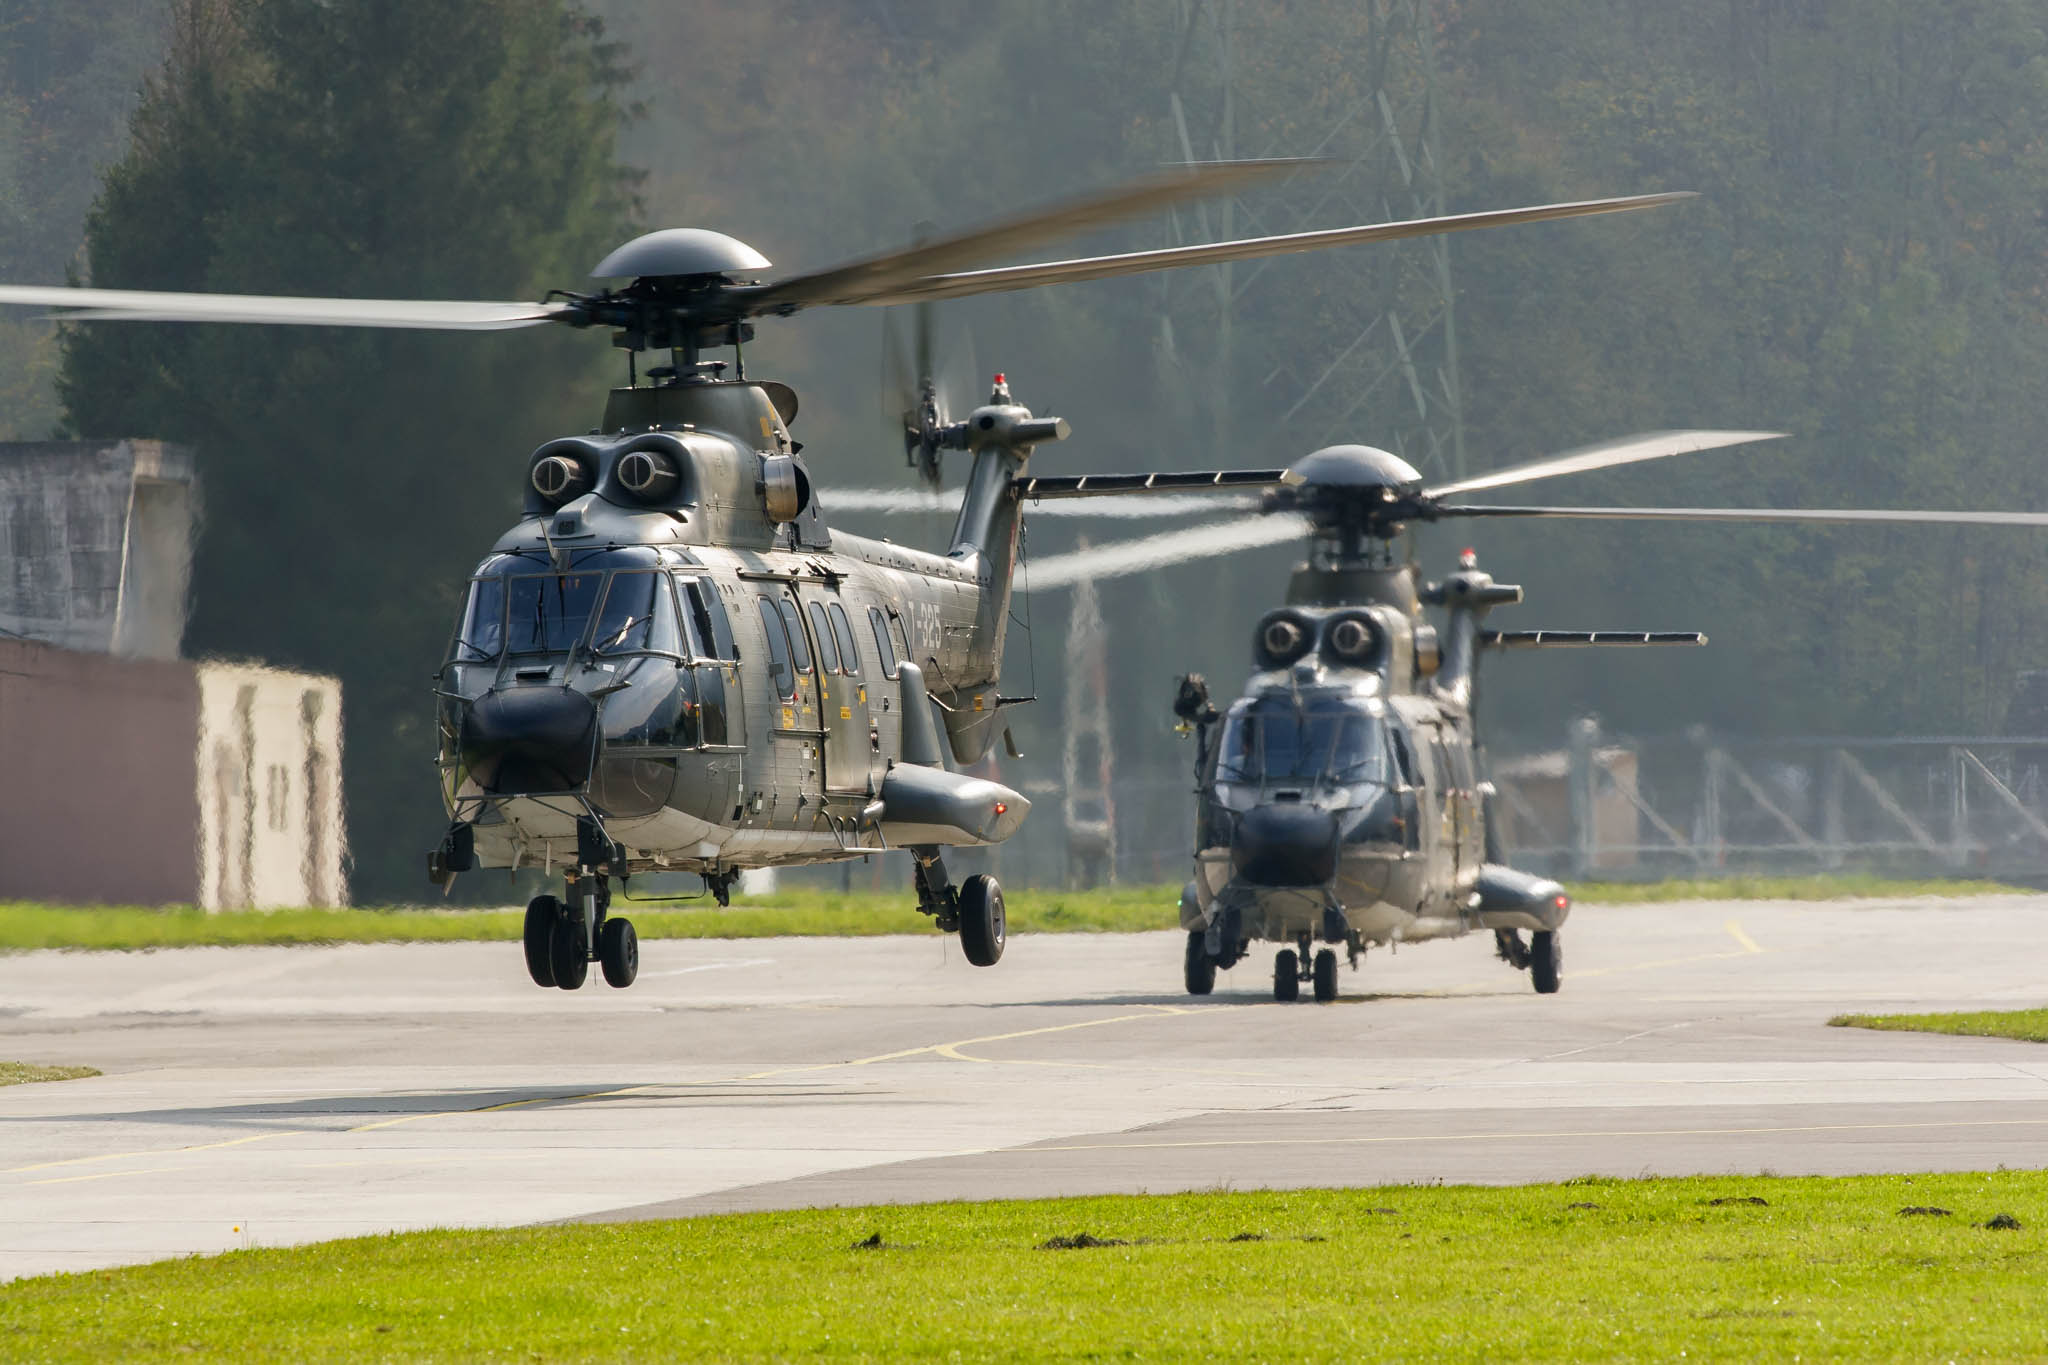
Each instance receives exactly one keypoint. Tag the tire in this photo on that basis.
(983, 930)
(1286, 975)
(567, 951)
(541, 914)
(1546, 962)
(1326, 976)
(618, 949)
(1200, 967)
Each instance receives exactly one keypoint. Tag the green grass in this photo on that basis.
(22, 1073)
(1587, 1270)
(794, 910)
(2029, 1026)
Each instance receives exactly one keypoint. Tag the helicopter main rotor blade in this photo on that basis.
(1654, 445)
(1853, 516)
(1007, 278)
(900, 500)
(144, 305)
(1156, 552)
(881, 279)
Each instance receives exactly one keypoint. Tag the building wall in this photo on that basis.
(97, 540)
(98, 789)
(269, 792)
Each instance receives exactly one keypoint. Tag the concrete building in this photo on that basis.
(129, 775)
(97, 537)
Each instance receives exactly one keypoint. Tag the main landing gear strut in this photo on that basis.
(973, 910)
(565, 935)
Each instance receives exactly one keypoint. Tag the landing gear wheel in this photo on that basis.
(541, 914)
(1546, 962)
(618, 948)
(1326, 976)
(1201, 968)
(1286, 975)
(568, 950)
(982, 928)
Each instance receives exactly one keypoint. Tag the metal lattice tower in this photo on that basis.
(1251, 368)
(1086, 760)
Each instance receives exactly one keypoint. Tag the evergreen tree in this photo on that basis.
(377, 148)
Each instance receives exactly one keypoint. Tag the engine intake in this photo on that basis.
(560, 478)
(1282, 638)
(649, 475)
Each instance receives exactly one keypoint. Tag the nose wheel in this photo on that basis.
(564, 934)
(1291, 968)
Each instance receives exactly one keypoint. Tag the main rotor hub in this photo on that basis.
(1352, 492)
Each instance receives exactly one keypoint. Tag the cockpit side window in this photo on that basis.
(896, 629)
(481, 636)
(778, 650)
(883, 648)
(1404, 762)
(710, 637)
(799, 648)
(849, 652)
(639, 614)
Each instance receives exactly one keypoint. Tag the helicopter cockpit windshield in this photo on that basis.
(519, 607)
(1273, 741)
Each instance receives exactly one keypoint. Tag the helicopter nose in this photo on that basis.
(530, 739)
(1285, 845)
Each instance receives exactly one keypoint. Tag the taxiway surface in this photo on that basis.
(264, 1096)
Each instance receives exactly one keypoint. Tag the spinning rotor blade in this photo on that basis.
(1855, 516)
(1008, 278)
(1655, 445)
(1156, 552)
(882, 279)
(142, 305)
(898, 500)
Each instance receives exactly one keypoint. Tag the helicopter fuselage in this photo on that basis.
(673, 643)
(1339, 797)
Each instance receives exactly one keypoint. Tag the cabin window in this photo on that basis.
(883, 649)
(799, 648)
(849, 652)
(548, 613)
(828, 651)
(778, 650)
(896, 629)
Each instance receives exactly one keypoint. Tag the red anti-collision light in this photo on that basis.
(1002, 807)
(1562, 901)
(999, 377)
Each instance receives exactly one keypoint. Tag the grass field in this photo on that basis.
(1868, 1268)
(21, 1073)
(2029, 1026)
(794, 910)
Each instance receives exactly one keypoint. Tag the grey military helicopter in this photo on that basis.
(671, 663)
(1341, 798)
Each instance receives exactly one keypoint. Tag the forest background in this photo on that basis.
(1866, 268)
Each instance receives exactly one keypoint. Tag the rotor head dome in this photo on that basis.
(680, 251)
(1353, 468)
